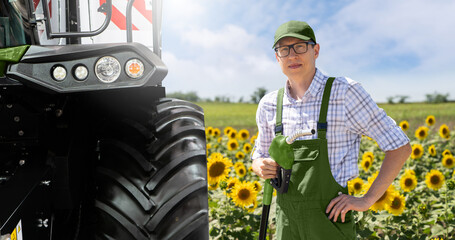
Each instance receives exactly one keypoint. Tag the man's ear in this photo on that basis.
(316, 50)
(277, 58)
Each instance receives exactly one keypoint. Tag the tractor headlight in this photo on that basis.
(59, 73)
(80, 72)
(134, 68)
(107, 69)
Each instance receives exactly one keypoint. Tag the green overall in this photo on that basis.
(301, 211)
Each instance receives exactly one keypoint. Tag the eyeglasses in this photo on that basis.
(299, 48)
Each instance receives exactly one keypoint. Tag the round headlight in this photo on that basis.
(134, 68)
(59, 73)
(80, 72)
(107, 69)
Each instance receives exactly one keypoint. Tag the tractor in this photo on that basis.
(90, 147)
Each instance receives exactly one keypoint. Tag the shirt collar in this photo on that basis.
(316, 85)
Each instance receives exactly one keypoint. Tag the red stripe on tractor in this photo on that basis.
(140, 6)
(118, 18)
(35, 3)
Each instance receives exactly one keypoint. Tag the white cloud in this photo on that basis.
(392, 47)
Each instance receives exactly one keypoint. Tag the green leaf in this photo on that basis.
(437, 230)
(214, 231)
(365, 233)
(229, 220)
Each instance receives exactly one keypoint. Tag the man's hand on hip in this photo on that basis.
(340, 205)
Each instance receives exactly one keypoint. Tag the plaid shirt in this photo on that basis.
(351, 114)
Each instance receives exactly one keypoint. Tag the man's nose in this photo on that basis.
(292, 52)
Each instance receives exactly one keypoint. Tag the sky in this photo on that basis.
(391, 47)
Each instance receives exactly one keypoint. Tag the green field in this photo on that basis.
(243, 115)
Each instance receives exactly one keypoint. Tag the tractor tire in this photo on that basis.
(151, 180)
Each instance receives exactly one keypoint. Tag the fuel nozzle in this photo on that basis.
(281, 151)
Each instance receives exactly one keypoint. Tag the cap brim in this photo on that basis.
(299, 36)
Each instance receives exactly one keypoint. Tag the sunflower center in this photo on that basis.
(243, 135)
(430, 121)
(396, 203)
(435, 180)
(233, 145)
(422, 133)
(367, 164)
(444, 131)
(244, 194)
(449, 161)
(405, 126)
(217, 169)
(416, 151)
(357, 186)
(230, 185)
(241, 171)
(408, 182)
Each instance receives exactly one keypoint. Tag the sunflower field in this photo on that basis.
(420, 204)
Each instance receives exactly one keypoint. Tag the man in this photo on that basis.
(341, 111)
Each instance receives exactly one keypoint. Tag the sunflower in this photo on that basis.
(446, 152)
(216, 132)
(209, 131)
(404, 125)
(208, 146)
(213, 186)
(232, 144)
(366, 164)
(238, 164)
(247, 148)
(430, 120)
(218, 168)
(417, 151)
(385, 200)
(397, 205)
(243, 194)
(240, 170)
(232, 134)
(421, 133)
(432, 150)
(240, 155)
(257, 186)
(252, 208)
(448, 161)
(444, 131)
(253, 139)
(368, 155)
(355, 186)
(244, 134)
(409, 171)
(227, 130)
(434, 179)
(408, 181)
(231, 182)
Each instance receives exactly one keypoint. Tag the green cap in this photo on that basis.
(295, 29)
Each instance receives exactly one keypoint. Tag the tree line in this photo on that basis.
(193, 97)
(256, 96)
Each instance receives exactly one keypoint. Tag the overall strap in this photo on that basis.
(279, 112)
(322, 123)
